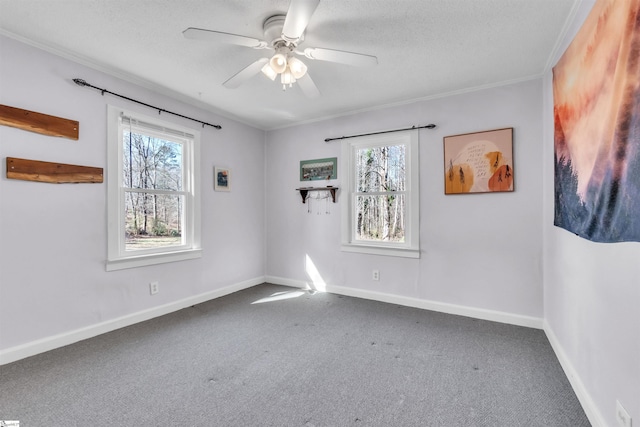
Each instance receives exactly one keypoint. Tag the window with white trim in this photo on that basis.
(380, 208)
(153, 191)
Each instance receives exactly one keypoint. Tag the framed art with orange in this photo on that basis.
(479, 162)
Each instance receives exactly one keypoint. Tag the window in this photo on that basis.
(380, 212)
(153, 204)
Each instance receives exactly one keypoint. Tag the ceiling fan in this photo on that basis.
(283, 34)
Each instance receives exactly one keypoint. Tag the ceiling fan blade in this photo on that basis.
(245, 74)
(297, 19)
(308, 87)
(340, 56)
(217, 36)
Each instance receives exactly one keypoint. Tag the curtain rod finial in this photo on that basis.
(80, 82)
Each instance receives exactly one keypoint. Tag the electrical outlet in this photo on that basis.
(154, 288)
(376, 275)
(622, 416)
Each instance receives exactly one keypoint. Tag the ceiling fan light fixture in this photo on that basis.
(278, 63)
(298, 68)
(283, 33)
(269, 72)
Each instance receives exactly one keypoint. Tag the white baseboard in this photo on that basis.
(49, 343)
(589, 406)
(477, 313)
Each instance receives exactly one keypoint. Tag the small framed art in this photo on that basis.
(222, 179)
(479, 162)
(314, 170)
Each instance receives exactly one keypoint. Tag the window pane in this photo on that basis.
(150, 162)
(380, 169)
(153, 220)
(380, 218)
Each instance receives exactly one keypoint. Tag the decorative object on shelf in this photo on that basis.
(329, 189)
(318, 193)
(318, 169)
(38, 122)
(222, 179)
(479, 162)
(56, 173)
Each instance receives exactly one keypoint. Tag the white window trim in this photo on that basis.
(117, 259)
(411, 247)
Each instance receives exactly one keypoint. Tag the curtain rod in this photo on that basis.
(81, 82)
(430, 126)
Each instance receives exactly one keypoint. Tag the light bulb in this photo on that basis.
(278, 63)
(297, 67)
(286, 78)
(269, 72)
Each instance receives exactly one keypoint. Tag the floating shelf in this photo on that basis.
(305, 191)
(58, 173)
(38, 122)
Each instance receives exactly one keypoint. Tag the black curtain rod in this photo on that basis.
(81, 82)
(430, 126)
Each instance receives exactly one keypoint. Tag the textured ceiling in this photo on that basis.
(425, 48)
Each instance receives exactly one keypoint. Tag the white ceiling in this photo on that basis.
(425, 48)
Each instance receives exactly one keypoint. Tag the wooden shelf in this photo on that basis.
(38, 122)
(304, 191)
(58, 173)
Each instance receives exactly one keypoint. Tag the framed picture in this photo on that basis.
(479, 162)
(222, 179)
(318, 169)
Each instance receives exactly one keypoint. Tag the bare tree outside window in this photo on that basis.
(380, 193)
(152, 181)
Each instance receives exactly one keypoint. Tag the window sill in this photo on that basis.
(381, 250)
(144, 260)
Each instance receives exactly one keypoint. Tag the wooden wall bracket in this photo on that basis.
(38, 122)
(56, 173)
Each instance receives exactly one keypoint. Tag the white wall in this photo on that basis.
(53, 237)
(591, 297)
(481, 254)
(478, 252)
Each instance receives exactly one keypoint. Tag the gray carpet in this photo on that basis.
(309, 360)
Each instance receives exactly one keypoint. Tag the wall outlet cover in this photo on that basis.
(154, 288)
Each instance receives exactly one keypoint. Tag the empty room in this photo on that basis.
(320, 213)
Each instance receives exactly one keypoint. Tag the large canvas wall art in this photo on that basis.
(596, 90)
